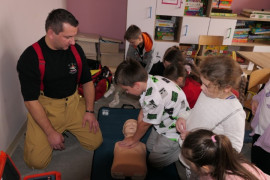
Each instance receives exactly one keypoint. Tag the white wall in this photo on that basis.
(22, 22)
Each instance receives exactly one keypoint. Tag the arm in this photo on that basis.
(256, 100)
(234, 129)
(142, 127)
(254, 106)
(56, 140)
(89, 95)
(181, 127)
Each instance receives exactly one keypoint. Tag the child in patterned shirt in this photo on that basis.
(162, 103)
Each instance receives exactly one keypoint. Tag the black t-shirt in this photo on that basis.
(60, 77)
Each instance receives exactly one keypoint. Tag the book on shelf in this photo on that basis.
(217, 10)
(258, 16)
(224, 14)
(223, 4)
(195, 7)
(164, 23)
(241, 36)
(263, 36)
(240, 40)
(241, 29)
(260, 31)
(253, 11)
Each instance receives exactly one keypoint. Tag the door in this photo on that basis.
(192, 28)
(223, 27)
(142, 14)
(170, 7)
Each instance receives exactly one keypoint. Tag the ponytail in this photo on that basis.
(202, 147)
(242, 89)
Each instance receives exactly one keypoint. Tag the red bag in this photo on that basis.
(102, 79)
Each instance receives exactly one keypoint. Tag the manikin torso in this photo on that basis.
(129, 162)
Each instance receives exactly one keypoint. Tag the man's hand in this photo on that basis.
(92, 121)
(56, 140)
(128, 142)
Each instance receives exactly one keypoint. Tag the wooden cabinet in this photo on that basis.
(187, 29)
(192, 28)
(222, 27)
(142, 14)
(170, 9)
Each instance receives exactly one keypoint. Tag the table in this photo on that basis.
(261, 59)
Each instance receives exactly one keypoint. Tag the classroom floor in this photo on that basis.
(74, 162)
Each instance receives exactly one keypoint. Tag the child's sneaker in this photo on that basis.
(110, 91)
(115, 101)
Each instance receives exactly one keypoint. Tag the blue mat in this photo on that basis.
(111, 121)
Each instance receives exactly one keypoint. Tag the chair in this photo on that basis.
(256, 82)
(207, 40)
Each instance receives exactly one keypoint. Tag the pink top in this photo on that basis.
(257, 172)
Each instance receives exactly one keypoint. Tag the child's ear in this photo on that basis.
(228, 89)
(206, 169)
(180, 81)
(140, 38)
(136, 85)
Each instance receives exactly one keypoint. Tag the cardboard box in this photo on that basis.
(92, 56)
(112, 59)
(87, 37)
(109, 45)
(88, 47)
(89, 43)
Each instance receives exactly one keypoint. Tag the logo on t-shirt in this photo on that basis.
(163, 93)
(72, 68)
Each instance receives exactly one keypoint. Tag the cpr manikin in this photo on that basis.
(129, 162)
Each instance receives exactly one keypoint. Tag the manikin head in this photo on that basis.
(130, 127)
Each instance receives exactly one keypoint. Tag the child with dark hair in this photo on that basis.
(187, 77)
(141, 47)
(162, 102)
(172, 55)
(212, 157)
(217, 108)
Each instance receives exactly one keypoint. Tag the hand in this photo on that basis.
(254, 106)
(181, 125)
(183, 135)
(92, 121)
(56, 140)
(128, 142)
